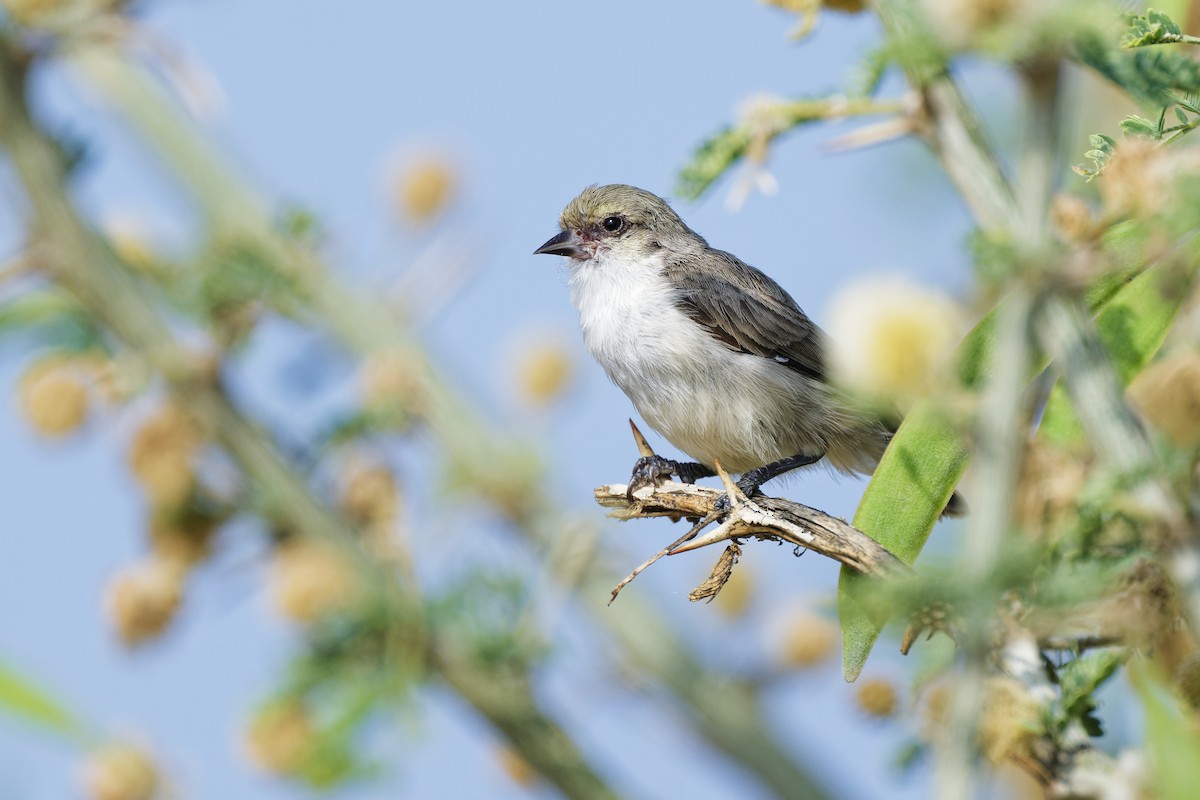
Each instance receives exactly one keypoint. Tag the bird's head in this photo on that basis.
(615, 218)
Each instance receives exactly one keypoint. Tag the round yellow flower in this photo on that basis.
(309, 579)
(143, 599)
(280, 738)
(54, 397)
(891, 339)
(120, 771)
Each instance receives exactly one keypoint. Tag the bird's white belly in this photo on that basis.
(707, 400)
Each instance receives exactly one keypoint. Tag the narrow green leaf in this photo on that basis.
(20, 698)
(1180, 115)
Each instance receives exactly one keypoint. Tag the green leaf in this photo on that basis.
(1154, 27)
(710, 161)
(1171, 737)
(907, 494)
(1149, 76)
(21, 698)
(1133, 125)
(1084, 675)
(1132, 327)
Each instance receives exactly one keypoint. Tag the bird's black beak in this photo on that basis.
(564, 244)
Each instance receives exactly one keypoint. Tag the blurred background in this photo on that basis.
(423, 151)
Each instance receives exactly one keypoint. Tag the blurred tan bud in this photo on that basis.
(1167, 393)
(309, 579)
(390, 380)
(54, 397)
(1050, 483)
(142, 599)
(280, 738)
(516, 767)
(735, 596)
(891, 339)
(1072, 218)
(120, 771)
(1132, 179)
(1139, 176)
(543, 372)
(370, 496)
(934, 710)
(161, 454)
(807, 641)
(424, 188)
(877, 697)
(181, 537)
(1009, 720)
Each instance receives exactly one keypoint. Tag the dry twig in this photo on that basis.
(763, 518)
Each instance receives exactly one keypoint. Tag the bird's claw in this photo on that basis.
(724, 505)
(649, 471)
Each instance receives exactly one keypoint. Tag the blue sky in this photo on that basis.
(536, 100)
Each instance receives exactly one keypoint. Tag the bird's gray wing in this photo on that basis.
(747, 311)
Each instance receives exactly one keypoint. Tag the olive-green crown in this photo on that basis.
(638, 206)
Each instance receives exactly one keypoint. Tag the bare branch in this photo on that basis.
(764, 518)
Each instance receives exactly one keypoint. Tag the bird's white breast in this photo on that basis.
(707, 400)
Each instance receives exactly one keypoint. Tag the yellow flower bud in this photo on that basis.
(892, 340)
(1072, 218)
(877, 697)
(120, 771)
(807, 641)
(390, 380)
(424, 189)
(543, 373)
(1009, 720)
(54, 397)
(143, 599)
(1167, 393)
(735, 596)
(280, 738)
(309, 579)
(516, 767)
(161, 454)
(370, 496)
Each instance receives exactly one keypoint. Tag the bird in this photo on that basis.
(715, 355)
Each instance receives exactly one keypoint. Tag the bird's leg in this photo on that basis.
(751, 480)
(650, 469)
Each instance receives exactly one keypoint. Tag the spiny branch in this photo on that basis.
(763, 518)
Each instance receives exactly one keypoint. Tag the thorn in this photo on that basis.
(718, 534)
(666, 551)
(644, 448)
(731, 488)
(870, 135)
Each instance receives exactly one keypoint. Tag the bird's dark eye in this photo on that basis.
(613, 224)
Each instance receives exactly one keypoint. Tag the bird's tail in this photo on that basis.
(957, 507)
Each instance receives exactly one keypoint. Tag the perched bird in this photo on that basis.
(715, 355)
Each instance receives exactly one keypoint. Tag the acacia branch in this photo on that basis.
(763, 518)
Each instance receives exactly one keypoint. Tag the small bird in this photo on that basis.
(715, 355)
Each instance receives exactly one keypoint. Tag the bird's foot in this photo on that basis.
(748, 488)
(650, 470)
